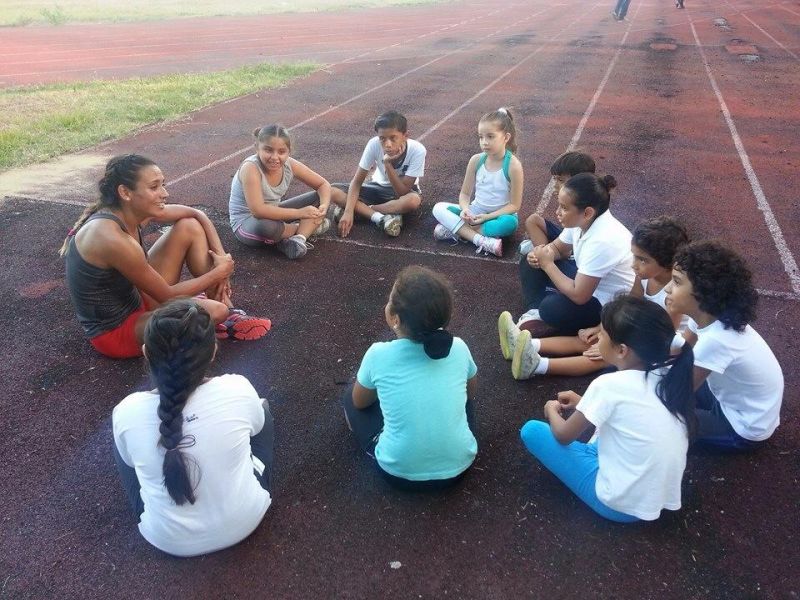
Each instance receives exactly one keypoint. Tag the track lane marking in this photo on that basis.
(789, 263)
(547, 194)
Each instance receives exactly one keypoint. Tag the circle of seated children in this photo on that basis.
(728, 396)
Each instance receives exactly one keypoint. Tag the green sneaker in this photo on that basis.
(525, 359)
(509, 333)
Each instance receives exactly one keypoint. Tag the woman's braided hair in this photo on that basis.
(120, 170)
(179, 345)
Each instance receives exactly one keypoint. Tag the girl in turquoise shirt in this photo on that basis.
(410, 406)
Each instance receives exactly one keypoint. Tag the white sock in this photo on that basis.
(536, 343)
(541, 368)
(376, 217)
(300, 235)
(478, 239)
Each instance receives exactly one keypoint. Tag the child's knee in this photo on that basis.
(536, 221)
(440, 210)
(412, 201)
(533, 433)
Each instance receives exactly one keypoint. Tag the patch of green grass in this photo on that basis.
(23, 12)
(44, 121)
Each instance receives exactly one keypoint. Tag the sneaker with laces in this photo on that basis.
(322, 228)
(525, 247)
(335, 212)
(241, 326)
(391, 224)
(531, 315)
(491, 245)
(293, 247)
(442, 233)
(509, 333)
(525, 359)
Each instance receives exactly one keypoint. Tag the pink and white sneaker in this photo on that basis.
(491, 245)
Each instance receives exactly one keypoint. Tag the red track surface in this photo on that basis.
(510, 529)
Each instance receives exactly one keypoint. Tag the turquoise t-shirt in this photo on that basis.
(425, 433)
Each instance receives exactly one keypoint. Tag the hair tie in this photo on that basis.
(437, 343)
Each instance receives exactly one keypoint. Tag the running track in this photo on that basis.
(692, 130)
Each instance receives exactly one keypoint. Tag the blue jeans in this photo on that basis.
(575, 465)
(622, 8)
(555, 308)
(713, 428)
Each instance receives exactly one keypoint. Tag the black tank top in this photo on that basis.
(103, 298)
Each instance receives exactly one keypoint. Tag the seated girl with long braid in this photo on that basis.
(114, 281)
(194, 454)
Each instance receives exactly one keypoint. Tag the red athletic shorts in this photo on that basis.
(121, 341)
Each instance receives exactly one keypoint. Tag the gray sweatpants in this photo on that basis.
(257, 232)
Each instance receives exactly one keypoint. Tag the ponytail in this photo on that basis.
(423, 301)
(676, 388)
(179, 346)
(120, 170)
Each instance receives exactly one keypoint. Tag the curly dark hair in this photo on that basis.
(660, 237)
(721, 281)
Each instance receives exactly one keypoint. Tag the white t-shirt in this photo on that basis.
(222, 415)
(745, 377)
(604, 251)
(660, 298)
(412, 164)
(641, 446)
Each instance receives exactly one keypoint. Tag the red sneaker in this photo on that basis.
(241, 326)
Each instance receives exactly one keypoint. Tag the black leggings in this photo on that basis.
(367, 425)
(555, 308)
(261, 446)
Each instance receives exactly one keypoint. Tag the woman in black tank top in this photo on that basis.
(114, 282)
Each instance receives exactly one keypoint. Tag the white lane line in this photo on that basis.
(247, 148)
(757, 26)
(505, 74)
(789, 10)
(789, 263)
(547, 194)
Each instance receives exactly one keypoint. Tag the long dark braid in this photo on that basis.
(120, 170)
(179, 345)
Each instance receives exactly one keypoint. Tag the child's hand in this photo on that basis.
(593, 353)
(478, 219)
(466, 215)
(552, 408)
(310, 212)
(588, 335)
(568, 399)
(544, 254)
(345, 223)
(532, 260)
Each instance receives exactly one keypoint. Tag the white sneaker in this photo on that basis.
(509, 333)
(531, 315)
(442, 233)
(491, 245)
(335, 212)
(525, 247)
(525, 359)
(293, 247)
(391, 224)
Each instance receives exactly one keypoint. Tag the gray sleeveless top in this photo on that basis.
(237, 205)
(103, 298)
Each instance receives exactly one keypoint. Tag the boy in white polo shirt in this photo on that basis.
(738, 381)
(396, 162)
